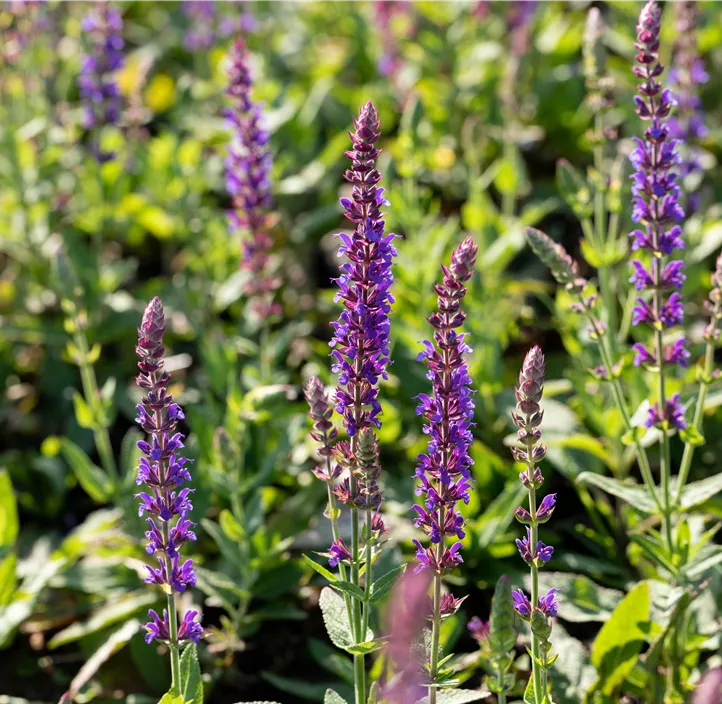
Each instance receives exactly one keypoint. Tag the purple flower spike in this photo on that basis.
(656, 194)
(96, 82)
(248, 182)
(361, 334)
(444, 470)
(656, 191)
(162, 470)
(547, 605)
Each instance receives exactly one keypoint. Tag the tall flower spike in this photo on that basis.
(528, 418)
(688, 125)
(444, 470)
(657, 210)
(248, 181)
(162, 470)
(361, 334)
(97, 83)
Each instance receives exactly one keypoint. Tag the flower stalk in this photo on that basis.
(657, 210)
(361, 355)
(444, 471)
(539, 611)
(163, 472)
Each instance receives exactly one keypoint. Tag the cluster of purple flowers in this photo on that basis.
(657, 209)
(444, 471)
(687, 125)
(361, 333)
(527, 418)
(248, 181)
(163, 472)
(96, 81)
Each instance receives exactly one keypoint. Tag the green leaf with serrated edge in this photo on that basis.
(502, 636)
(93, 480)
(697, 493)
(382, 586)
(617, 646)
(9, 524)
(330, 576)
(332, 697)
(190, 674)
(335, 618)
(633, 494)
(347, 588)
(366, 647)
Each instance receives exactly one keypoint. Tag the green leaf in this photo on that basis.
(109, 647)
(331, 659)
(382, 586)
(352, 590)
(634, 494)
(529, 697)
(704, 560)
(83, 414)
(691, 436)
(106, 615)
(168, 698)
(93, 480)
(366, 647)
(584, 600)
(190, 672)
(574, 189)
(697, 493)
(330, 576)
(502, 635)
(230, 526)
(335, 618)
(617, 646)
(332, 697)
(8, 578)
(9, 525)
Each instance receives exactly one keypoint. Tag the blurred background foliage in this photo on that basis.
(83, 247)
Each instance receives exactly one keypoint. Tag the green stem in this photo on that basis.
(92, 398)
(689, 448)
(172, 623)
(435, 629)
(535, 651)
(508, 198)
(336, 535)
(608, 361)
(368, 576)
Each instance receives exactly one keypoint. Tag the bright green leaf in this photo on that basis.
(93, 480)
(320, 569)
(617, 646)
(9, 525)
(190, 672)
(633, 494)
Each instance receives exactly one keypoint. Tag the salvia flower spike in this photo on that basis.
(657, 210)
(360, 353)
(248, 182)
(167, 502)
(538, 610)
(444, 470)
(97, 82)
